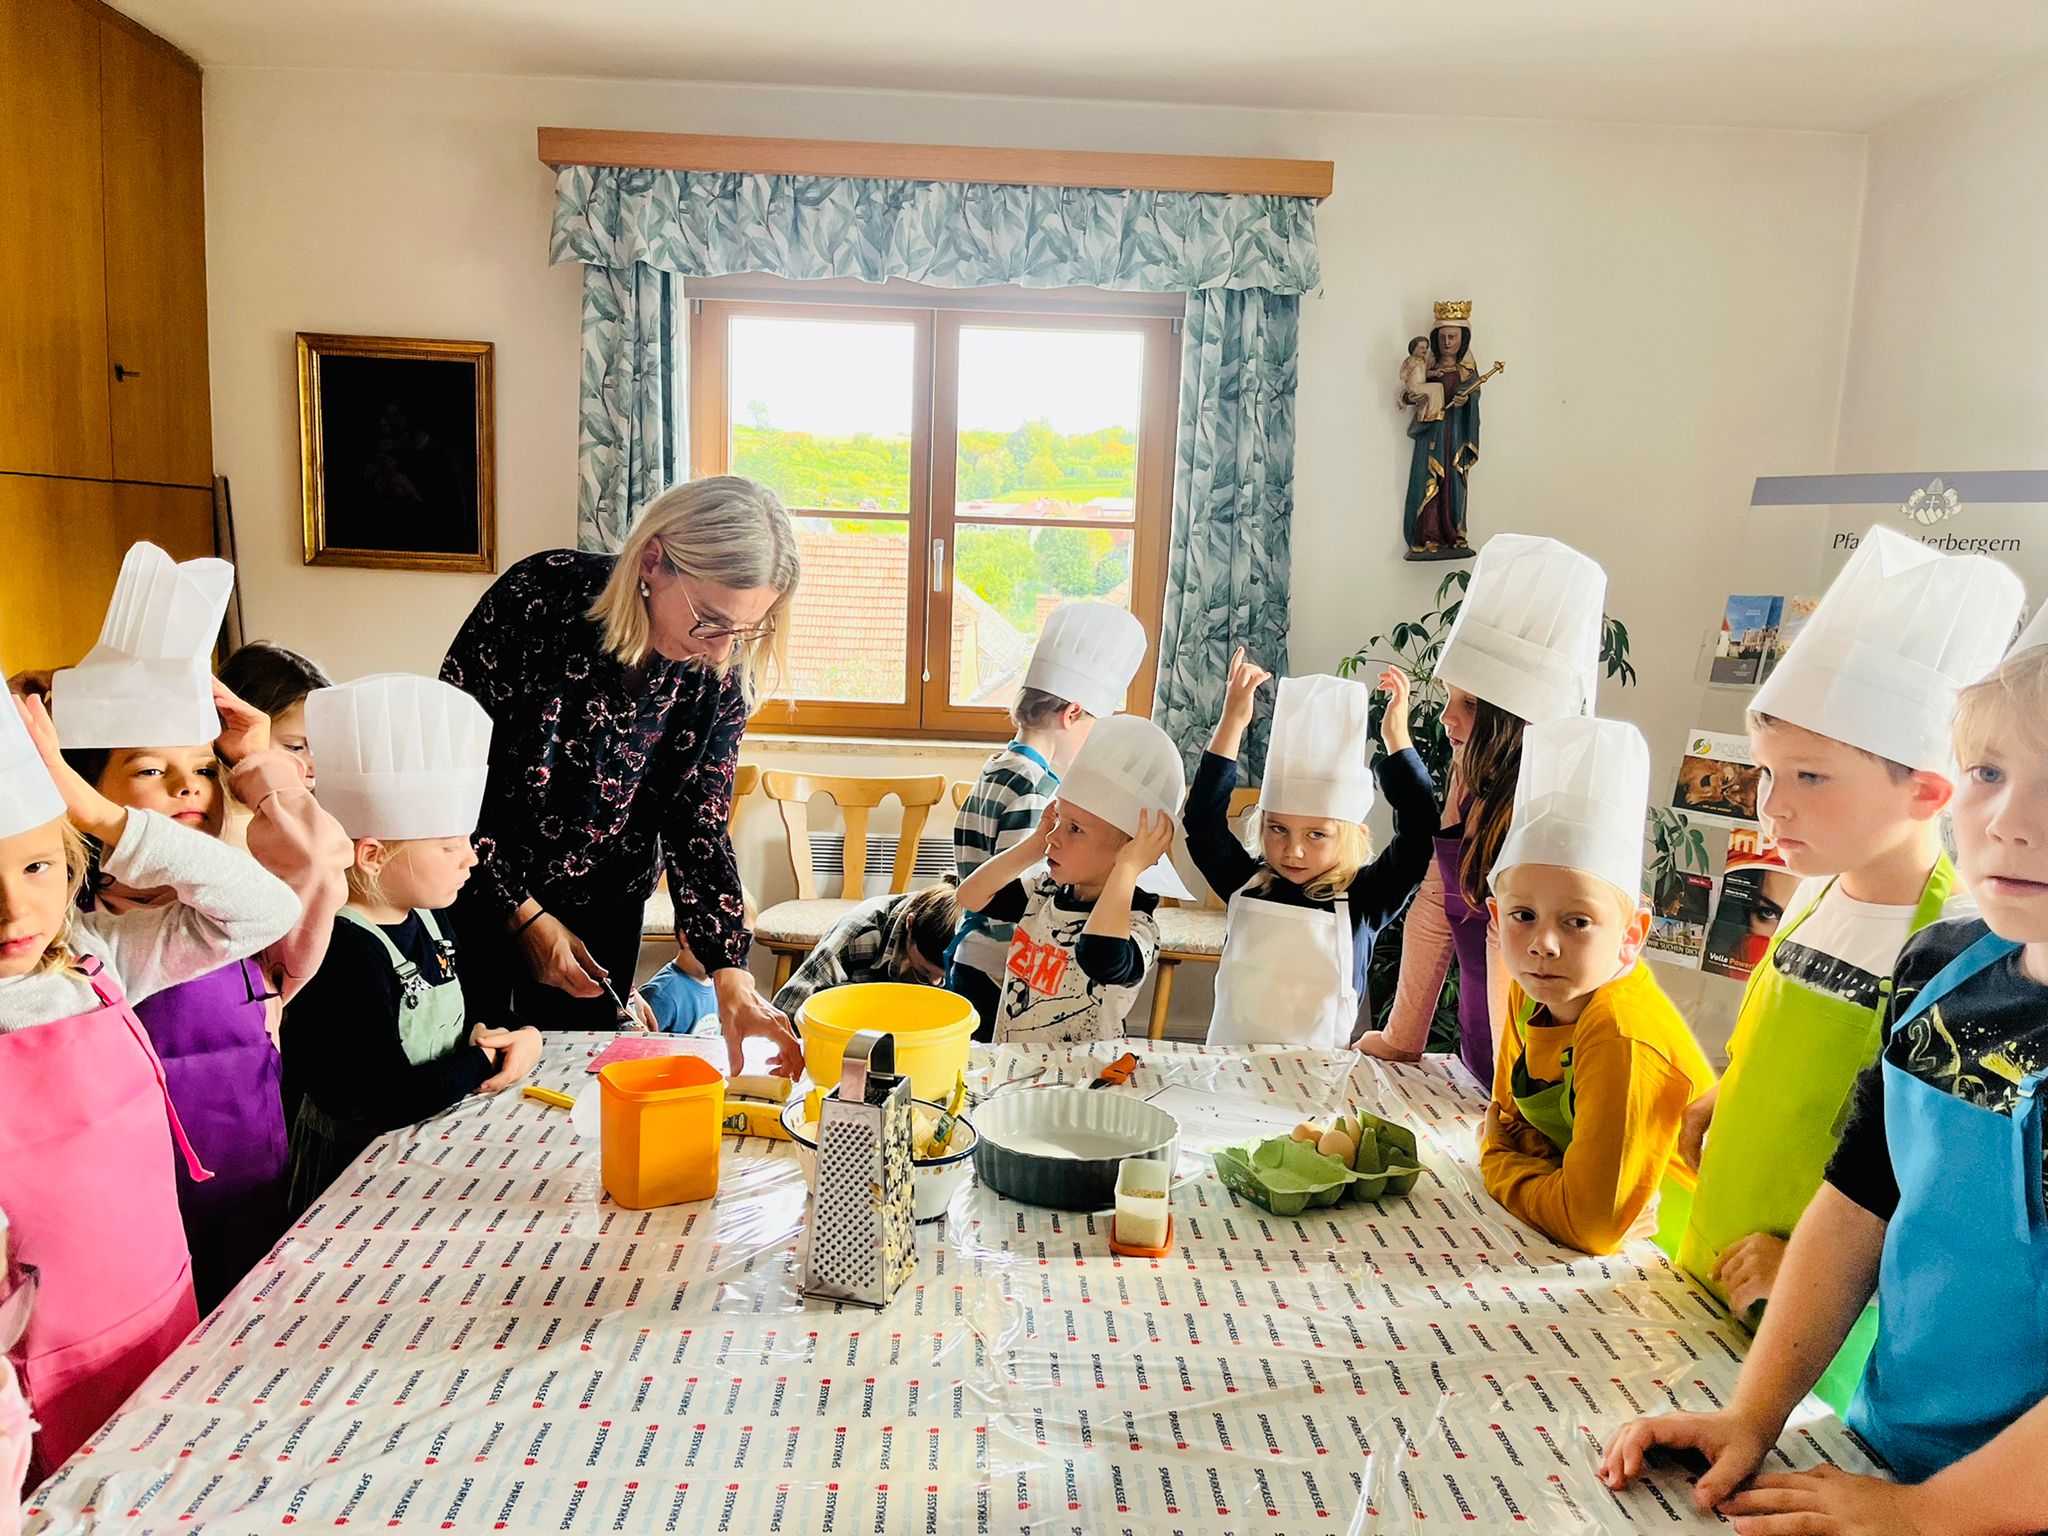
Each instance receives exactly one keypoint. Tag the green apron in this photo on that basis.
(430, 1025)
(1549, 1107)
(1783, 1103)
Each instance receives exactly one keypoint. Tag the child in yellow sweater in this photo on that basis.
(1596, 1068)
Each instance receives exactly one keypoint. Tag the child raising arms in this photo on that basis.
(379, 1039)
(1303, 915)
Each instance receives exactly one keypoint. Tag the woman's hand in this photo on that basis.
(1831, 1502)
(1749, 1269)
(89, 810)
(516, 1049)
(1394, 721)
(559, 959)
(1240, 699)
(243, 727)
(1154, 840)
(744, 1014)
(1734, 1448)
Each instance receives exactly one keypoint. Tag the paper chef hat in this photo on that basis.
(400, 756)
(149, 682)
(1527, 636)
(1087, 654)
(1581, 799)
(1126, 765)
(1898, 634)
(1315, 762)
(28, 795)
(2036, 632)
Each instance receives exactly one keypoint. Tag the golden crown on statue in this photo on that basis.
(1453, 311)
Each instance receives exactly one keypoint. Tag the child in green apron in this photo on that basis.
(1934, 1200)
(377, 1039)
(1596, 1069)
(1851, 732)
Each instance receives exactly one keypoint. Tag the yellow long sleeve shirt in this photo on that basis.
(1635, 1068)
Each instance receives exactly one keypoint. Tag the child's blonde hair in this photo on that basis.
(78, 865)
(1354, 852)
(365, 888)
(728, 531)
(2012, 701)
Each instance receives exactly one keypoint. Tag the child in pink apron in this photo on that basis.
(89, 1141)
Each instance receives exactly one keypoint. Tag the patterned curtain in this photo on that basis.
(1233, 506)
(1243, 262)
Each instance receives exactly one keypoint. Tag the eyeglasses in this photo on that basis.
(710, 629)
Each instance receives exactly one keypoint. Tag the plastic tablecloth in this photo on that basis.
(465, 1335)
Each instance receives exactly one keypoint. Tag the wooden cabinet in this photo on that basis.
(102, 250)
(156, 261)
(53, 305)
(64, 541)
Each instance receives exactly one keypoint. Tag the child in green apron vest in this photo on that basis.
(377, 1039)
(1851, 731)
(1933, 1201)
(1596, 1069)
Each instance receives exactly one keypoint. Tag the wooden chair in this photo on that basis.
(1190, 933)
(792, 929)
(658, 918)
(962, 788)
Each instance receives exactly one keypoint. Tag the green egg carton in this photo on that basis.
(1395, 1157)
(1283, 1176)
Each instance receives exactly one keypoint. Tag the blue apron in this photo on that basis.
(1962, 1342)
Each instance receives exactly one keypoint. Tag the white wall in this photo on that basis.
(1672, 305)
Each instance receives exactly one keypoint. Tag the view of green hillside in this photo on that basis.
(1032, 463)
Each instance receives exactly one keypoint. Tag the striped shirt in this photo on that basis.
(1012, 793)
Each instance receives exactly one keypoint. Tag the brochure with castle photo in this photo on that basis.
(1748, 626)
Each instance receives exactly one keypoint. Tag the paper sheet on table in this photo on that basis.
(1212, 1120)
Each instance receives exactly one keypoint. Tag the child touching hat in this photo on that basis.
(379, 1039)
(1305, 910)
(1933, 1201)
(1080, 671)
(145, 723)
(1851, 731)
(1085, 935)
(89, 1134)
(1597, 1067)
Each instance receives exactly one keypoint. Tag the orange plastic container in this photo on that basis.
(661, 1134)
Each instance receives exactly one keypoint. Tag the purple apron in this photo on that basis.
(1468, 936)
(224, 1079)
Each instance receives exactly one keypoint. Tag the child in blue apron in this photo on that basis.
(1596, 1067)
(1933, 1201)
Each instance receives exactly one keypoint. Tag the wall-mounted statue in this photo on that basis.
(1441, 382)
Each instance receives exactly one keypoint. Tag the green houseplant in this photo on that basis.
(1415, 645)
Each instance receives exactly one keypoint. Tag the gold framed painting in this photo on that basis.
(397, 451)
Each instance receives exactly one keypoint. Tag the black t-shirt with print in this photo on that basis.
(1978, 1044)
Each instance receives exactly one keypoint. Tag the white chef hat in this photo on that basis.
(149, 681)
(1527, 635)
(1315, 759)
(2036, 632)
(1580, 801)
(1087, 654)
(1902, 629)
(28, 795)
(400, 756)
(1127, 765)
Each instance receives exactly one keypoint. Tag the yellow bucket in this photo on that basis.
(932, 1029)
(661, 1130)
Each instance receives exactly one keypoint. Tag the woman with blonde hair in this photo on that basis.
(618, 687)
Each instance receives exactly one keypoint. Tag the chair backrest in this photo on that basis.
(855, 797)
(962, 788)
(1241, 800)
(746, 778)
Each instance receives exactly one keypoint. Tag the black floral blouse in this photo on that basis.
(599, 772)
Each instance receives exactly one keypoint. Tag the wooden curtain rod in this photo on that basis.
(935, 162)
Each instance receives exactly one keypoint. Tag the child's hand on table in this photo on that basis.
(1152, 843)
(516, 1049)
(1733, 1445)
(1749, 1269)
(1830, 1500)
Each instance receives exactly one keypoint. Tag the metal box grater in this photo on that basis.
(862, 1248)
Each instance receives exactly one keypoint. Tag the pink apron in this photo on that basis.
(86, 1180)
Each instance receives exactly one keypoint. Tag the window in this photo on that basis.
(955, 474)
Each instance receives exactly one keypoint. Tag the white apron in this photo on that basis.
(1285, 977)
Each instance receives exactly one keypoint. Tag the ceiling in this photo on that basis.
(1819, 64)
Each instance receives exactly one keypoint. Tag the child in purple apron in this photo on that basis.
(216, 1033)
(1933, 1201)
